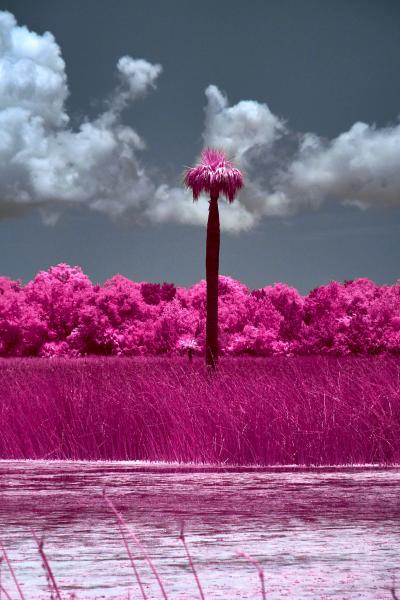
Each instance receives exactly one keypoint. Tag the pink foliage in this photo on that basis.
(22, 330)
(214, 175)
(61, 313)
(11, 299)
(57, 297)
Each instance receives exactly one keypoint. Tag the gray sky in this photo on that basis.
(308, 67)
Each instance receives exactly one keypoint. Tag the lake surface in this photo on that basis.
(318, 533)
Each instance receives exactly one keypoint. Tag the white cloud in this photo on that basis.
(176, 204)
(287, 172)
(32, 72)
(237, 129)
(45, 163)
(42, 161)
(139, 75)
(359, 167)
(243, 131)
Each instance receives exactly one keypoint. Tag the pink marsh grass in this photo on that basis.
(255, 411)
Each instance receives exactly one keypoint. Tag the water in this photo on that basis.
(319, 533)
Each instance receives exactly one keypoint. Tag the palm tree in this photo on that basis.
(215, 175)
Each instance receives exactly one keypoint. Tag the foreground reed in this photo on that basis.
(276, 411)
(128, 535)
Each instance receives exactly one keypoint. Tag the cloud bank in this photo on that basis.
(45, 164)
(288, 172)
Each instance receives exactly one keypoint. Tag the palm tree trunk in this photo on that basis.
(212, 268)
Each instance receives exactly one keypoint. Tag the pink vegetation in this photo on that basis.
(61, 313)
(214, 175)
(319, 410)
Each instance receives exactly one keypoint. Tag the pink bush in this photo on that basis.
(22, 330)
(61, 313)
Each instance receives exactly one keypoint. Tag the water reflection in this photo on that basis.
(319, 533)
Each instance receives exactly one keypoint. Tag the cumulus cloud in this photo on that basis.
(139, 75)
(176, 204)
(254, 139)
(287, 172)
(46, 164)
(248, 125)
(360, 167)
(32, 73)
(244, 131)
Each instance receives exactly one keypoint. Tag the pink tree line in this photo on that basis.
(62, 313)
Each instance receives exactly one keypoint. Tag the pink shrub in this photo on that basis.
(117, 323)
(290, 305)
(57, 297)
(11, 299)
(352, 318)
(22, 330)
(61, 313)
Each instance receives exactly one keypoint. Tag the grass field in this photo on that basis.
(267, 411)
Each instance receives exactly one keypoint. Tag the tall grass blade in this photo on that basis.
(183, 540)
(259, 568)
(121, 525)
(46, 565)
(11, 569)
(139, 544)
(7, 595)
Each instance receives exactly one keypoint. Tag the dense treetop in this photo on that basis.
(62, 313)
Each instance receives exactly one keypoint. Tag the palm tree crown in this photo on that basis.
(214, 175)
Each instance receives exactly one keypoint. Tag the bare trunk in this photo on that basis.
(212, 268)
